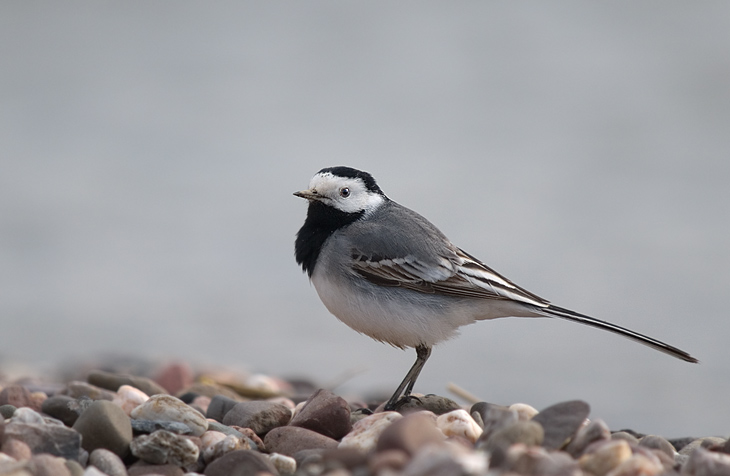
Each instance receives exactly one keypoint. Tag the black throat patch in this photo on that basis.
(321, 222)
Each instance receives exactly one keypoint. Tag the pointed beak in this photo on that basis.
(307, 194)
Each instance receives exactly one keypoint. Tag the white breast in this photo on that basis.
(397, 316)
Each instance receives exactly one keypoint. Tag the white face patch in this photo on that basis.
(343, 193)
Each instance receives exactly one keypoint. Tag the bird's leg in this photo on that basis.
(406, 386)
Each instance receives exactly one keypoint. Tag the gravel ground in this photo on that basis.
(172, 420)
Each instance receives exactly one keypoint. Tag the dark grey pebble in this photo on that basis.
(596, 430)
(105, 425)
(434, 403)
(261, 416)
(112, 381)
(76, 389)
(188, 397)
(240, 463)
(60, 406)
(219, 406)
(526, 432)
(561, 422)
(150, 426)
(7, 411)
(325, 413)
(680, 443)
(57, 440)
(492, 417)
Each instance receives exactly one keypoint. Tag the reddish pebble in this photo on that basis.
(288, 440)
(19, 396)
(410, 433)
(175, 377)
(17, 449)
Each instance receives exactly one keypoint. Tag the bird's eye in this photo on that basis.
(344, 192)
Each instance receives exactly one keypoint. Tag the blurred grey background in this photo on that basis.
(149, 151)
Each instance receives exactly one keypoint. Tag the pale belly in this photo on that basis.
(402, 317)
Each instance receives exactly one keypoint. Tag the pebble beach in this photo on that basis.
(170, 419)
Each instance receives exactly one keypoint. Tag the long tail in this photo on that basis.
(555, 311)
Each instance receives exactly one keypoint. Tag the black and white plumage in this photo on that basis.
(389, 273)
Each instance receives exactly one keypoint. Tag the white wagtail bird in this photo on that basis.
(389, 273)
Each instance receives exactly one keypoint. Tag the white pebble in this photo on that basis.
(365, 433)
(459, 423)
(524, 411)
(283, 464)
(263, 383)
(27, 415)
(129, 398)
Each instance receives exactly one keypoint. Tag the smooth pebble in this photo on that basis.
(658, 443)
(528, 433)
(410, 433)
(105, 425)
(59, 406)
(366, 432)
(605, 457)
(288, 440)
(261, 416)
(129, 398)
(169, 408)
(56, 440)
(561, 422)
(596, 430)
(702, 462)
(283, 464)
(107, 462)
(325, 413)
(524, 411)
(438, 459)
(459, 423)
(113, 381)
(27, 415)
(240, 463)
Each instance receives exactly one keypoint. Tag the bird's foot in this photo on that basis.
(394, 406)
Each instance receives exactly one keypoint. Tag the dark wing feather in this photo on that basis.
(460, 276)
